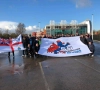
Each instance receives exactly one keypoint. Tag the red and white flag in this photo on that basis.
(9, 45)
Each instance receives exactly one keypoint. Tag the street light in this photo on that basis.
(92, 26)
(39, 26)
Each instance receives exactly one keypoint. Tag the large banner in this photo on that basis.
(63, 47)
(9, 45)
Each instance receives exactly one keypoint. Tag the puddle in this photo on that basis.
(16, 69)
(13, 69)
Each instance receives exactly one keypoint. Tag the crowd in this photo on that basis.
(32, 43)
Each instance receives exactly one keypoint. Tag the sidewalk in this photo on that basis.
(96, 41)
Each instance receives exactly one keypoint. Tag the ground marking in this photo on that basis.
(46, 84)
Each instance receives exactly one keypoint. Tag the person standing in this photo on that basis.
(82, 38)
(88, 40)
(26, 44)
(31, 46)
(92, 48)
(10, 42)
(33, 38)
(37, 47)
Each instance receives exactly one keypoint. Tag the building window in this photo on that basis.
(60, 27)
(48, 27)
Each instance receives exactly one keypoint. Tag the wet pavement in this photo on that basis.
(47, 73)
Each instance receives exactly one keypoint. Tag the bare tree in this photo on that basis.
(20, 29)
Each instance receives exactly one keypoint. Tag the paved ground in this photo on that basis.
(46, 73)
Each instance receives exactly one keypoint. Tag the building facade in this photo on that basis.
(72, 28)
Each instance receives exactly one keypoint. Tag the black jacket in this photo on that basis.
(37, 48)
(84, 40)
(92, 48)
(33, 40)
(25, 42)
(36, 41)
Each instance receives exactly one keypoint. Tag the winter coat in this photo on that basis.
(26, 42)
(37, 48)
(92, 48)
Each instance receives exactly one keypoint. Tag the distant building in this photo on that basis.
(63, 28)
(39, 33)
(44, 32)
(33, 33)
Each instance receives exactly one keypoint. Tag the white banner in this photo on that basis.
(63, 47)
(9, 45)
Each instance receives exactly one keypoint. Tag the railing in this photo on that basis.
(96, 37)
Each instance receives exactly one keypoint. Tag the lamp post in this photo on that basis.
(39, 26)
(92, 26)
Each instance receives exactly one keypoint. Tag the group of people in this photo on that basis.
(87, 40)
(32, 43)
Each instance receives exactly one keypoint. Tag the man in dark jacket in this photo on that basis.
(37, 47)
(33, 38)
(36, 41)
(88, 40)
(26, 44)
(32, 44)
(83, 39)
(92, 48)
